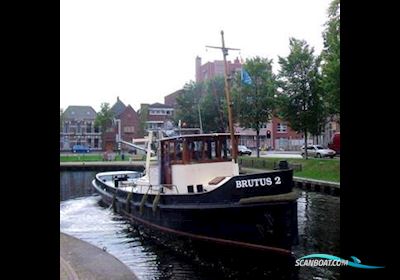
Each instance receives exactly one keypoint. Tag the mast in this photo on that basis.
(228, 97)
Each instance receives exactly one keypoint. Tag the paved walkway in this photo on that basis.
(80, 260)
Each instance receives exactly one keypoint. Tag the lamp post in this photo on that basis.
(118, 135)
(200, 122)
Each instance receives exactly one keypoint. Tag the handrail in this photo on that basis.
(150, 186)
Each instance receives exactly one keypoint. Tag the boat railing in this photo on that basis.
(141, 188)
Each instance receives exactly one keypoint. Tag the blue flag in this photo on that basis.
(246, 79)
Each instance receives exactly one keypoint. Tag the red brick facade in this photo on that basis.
(284, 137)
(170, 99)
(130, 128)
(211, 70)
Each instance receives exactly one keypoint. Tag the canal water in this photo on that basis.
(82, 216)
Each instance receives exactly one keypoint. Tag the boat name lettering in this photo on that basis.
(249, 183)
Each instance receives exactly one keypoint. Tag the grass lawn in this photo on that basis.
(89, 157)
(319, 169)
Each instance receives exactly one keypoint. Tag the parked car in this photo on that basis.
(243, 150)
(80, 149)
(318, 151)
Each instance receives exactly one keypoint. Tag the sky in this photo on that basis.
(141, 51)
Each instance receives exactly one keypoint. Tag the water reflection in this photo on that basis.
(76, 184)
(319, 231)
(84, 218)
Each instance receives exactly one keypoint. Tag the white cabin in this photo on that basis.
(195, 163)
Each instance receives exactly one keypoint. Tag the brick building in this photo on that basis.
(211, 70)
(248, 137)
(129, 122)
(170, 99)
(156, 116)
(285, 138)
(77, 128)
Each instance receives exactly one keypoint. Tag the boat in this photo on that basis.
(194, 198)
(194, 195)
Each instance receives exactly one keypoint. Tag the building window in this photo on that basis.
(129, 129)
(281, 127)
(96, 142)
(160, 112)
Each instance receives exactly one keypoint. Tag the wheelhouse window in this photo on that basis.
(196, 149)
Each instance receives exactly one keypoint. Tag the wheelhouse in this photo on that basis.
(196, 159)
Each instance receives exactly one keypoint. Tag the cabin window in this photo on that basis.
(190, 189)
(224, 149)
(196, 148)
(209, 149)
(178, 151)
(199, 188)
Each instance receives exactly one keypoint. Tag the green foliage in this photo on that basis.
(213, 106)
(205, 100)
(104, 117)
(187, 104)
(61, 119)
(144, 112)
(255, 103)
(302, 104)
(330, 81)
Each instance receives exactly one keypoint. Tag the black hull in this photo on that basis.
(263, 227)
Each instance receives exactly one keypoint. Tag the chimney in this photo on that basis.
(198, 68)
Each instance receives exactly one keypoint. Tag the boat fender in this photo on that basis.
(142, 202)
(128, 202)
(113, 203)
(156, 201)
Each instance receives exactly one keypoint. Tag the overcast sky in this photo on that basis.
(144, 50)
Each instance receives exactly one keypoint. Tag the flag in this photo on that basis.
(246, 79)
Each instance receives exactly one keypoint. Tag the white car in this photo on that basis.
(243, 150)
(318, 151)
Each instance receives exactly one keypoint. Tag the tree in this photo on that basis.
(302, 103)
(143, 116)
(61, 119)
(213, 106)
(188, 104)
(330, 56)
(105, 117)
(254, 102)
